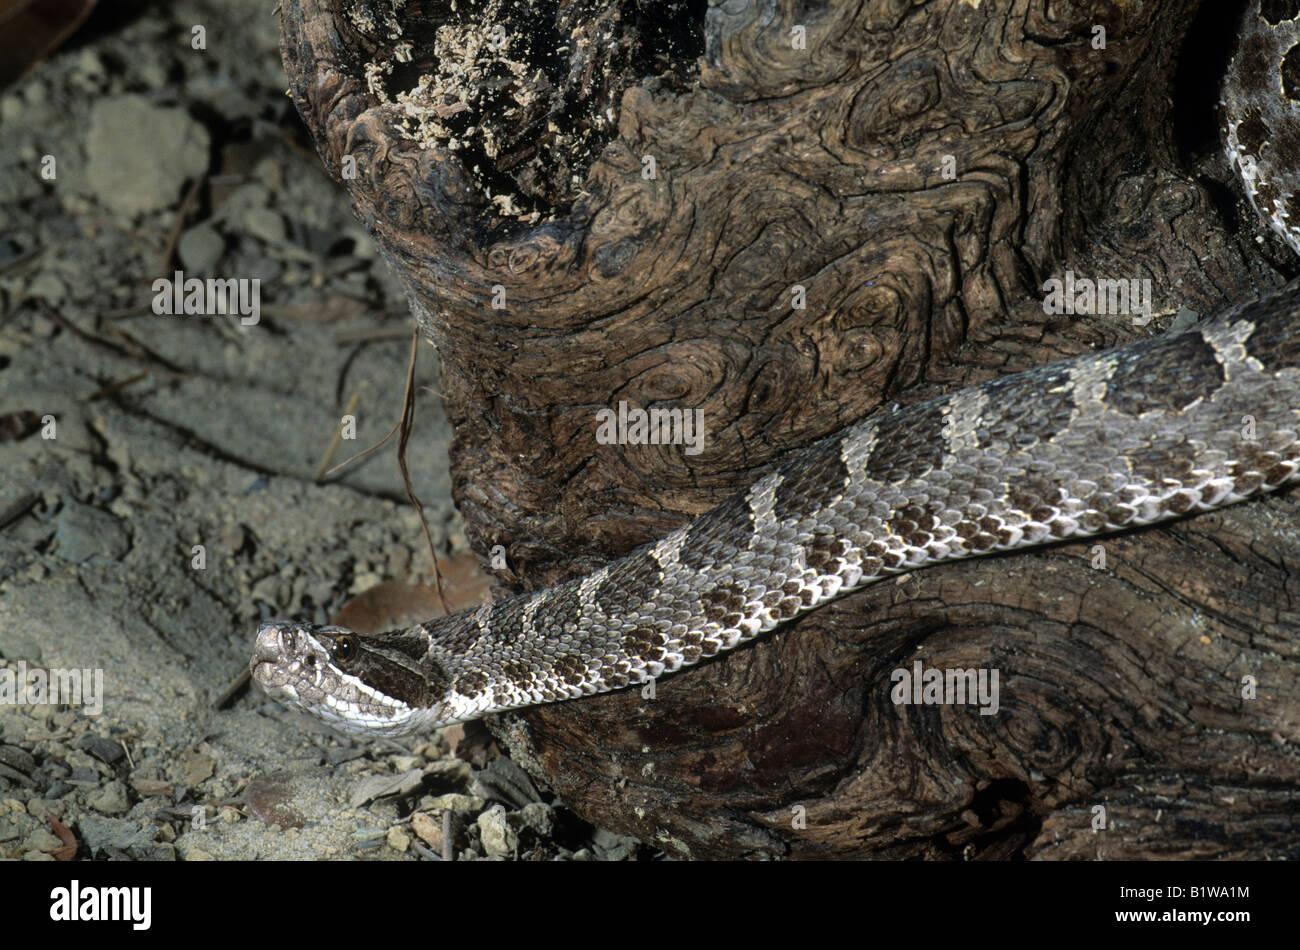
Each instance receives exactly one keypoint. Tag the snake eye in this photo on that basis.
(345, 649)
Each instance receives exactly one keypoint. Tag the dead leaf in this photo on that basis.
(69, 849)
(32, 29)
(149, 787)
(454, 736)
(197, 767)
(270, 798)
(392, 604)
(464, 581)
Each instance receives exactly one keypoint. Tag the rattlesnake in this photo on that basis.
(1161, 428)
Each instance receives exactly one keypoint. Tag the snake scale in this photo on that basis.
(1158, 429)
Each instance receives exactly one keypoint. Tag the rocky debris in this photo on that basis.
(177, 504)
(498, 838)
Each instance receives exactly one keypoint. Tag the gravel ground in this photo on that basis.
(158, 492)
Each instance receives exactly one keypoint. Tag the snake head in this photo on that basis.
(336, 675)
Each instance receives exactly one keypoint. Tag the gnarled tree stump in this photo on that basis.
(642, 186)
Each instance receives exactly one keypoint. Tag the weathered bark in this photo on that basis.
(824, 167)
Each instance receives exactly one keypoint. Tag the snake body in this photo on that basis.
(1102, 442)
(1260, 112)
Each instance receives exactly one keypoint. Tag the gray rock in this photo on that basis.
(497, 835)
(89, 63)
(83, 775)
(48, 288)
(84, 533)
(504, 781)
(106, 750)
(124, 834)
(88, 70)
(11, 108)
(540, 817)
(16, 645)
(200, 248)
(111, 799)
(265, 224)
(13, 775)
(456, 804)
(42, 808)
(612, 847)
(250, 264)
(11, 830)
(239, 201)
(17, 758)
(41, 840)
(369, 837)
(1184, 319)
(139, 155)
(398, 840)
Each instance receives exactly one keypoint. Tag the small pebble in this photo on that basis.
(457, 804)
(497, 835)
(540, 817)
(41, 840)
(265, 224)
(200, 248)
(106, 750)
(109, 800)
(48, 288)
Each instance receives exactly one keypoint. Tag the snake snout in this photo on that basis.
(275, 640)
